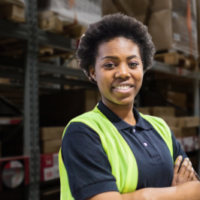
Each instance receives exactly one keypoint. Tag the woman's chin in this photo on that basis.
(124, 102)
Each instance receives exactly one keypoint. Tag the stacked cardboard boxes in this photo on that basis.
(180, 126)
(176, 98)
(173, 26)
(51, 138)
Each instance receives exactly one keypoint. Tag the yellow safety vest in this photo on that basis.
(122, 160)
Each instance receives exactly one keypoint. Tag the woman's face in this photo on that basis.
(118, 71)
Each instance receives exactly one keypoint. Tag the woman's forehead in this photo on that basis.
(118, 46)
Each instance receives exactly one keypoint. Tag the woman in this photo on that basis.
(114, 152)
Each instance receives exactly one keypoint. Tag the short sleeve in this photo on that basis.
(88, 168)
(177, 150)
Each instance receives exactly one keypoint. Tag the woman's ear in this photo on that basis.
(92, 72)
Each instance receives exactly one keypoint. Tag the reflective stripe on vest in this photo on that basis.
(122, 160)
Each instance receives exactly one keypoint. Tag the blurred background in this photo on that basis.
(42, 88)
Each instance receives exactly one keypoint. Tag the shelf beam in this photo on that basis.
(57, 41)
(43, 67)
(19, 31)
(162, 67)
(14, 30)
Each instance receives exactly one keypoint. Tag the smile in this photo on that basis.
(123, 89)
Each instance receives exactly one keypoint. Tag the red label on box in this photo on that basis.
(46, 160)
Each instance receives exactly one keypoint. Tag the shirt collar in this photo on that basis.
(121, 124)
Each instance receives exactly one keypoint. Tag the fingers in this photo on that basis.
(177, 164)
(183, 172)
(192, 174)
(185, 168)
(188, 169)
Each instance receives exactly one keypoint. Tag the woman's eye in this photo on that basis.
(109, 65)
(133, 64)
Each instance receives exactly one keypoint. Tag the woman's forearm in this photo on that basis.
(186, 191)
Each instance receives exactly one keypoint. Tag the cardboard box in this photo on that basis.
(169, 30)
(171, 121)
(108, 7)
(49, 21)
(188, 121)
(180, 103)
(49, 169)
(141, 18)
(176, 131)
(51, 133)
(144, 110)
(158, 5)
(50, 146)
(163, 111)
(137, 8)
(12, 12)
(75, 32)
(183, 132)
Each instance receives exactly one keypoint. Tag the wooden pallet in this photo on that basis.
(12, 10)
(177, 59)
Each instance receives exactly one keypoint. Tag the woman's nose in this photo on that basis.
(123, 71)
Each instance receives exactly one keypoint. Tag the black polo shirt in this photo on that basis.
(87, 164)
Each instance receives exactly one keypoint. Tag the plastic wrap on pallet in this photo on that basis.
(71, 12)
(173, 26)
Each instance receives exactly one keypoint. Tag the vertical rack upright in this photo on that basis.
(31, 114)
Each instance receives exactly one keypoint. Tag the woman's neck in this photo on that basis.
(125, 112)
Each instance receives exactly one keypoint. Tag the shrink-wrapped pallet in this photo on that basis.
(71, 12)
(172, 26)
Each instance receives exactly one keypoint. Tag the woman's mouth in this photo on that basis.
(123, 89)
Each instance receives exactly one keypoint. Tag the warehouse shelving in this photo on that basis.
(30, 72)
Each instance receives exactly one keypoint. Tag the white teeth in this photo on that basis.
(123, 87)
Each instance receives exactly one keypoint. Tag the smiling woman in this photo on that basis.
(118, 71)
(113, 151)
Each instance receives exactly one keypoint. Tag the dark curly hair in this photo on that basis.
(110, 27)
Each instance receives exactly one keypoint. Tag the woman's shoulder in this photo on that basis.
(78, 127)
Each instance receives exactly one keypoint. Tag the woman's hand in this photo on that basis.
(185, 173)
